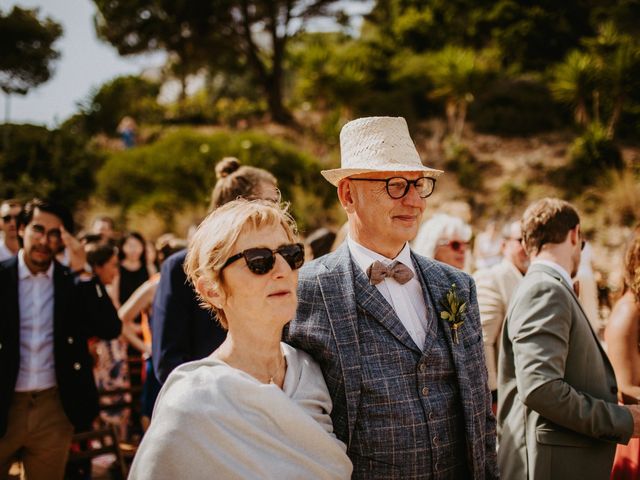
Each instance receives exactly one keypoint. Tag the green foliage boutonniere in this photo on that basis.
(453, 311)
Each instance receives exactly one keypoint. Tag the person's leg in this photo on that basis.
(14, 438)
(48, 439)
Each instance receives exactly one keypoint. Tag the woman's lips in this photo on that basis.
(281, 293)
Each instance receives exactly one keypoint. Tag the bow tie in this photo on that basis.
(378, 271)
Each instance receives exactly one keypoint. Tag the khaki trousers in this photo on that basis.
(39, 434)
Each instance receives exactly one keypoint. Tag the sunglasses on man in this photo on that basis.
(8, 218)
(261, 260)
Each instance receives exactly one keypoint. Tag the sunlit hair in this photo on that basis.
(215, 239)
(440, 227)
(632, 264)
(238, 181)
(548, 220)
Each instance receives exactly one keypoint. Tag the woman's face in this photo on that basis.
(108, 271)
(253, 298)
(452, 252)
(132, 248)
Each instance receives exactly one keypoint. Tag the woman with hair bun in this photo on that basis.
(242, 181)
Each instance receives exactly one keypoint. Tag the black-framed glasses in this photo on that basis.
(398, 187)
(582, 244)
(40, 231)
(8, 218)
(261, 260)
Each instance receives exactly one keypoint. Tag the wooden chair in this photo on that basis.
(98, 442)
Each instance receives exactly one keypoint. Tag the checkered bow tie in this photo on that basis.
(378, 271)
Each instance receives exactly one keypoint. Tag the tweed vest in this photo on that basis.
(419, 389)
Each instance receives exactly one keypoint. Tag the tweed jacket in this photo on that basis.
(332, 293)
(557, 411)
(495, 286)
(81, 310)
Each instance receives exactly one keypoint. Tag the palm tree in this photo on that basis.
(574, 82)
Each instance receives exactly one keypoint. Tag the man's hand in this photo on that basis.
(635, 412)
(77, 257)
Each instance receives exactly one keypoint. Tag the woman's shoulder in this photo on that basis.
(299, 359)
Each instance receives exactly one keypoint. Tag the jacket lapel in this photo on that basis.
(550, 271)
(371, 300)
(12, 304)
(437, 287)
(338, 294)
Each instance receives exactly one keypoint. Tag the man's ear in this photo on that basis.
(574, 235)
(211, 292)
(346, 195)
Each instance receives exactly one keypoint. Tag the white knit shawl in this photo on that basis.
(214, 421)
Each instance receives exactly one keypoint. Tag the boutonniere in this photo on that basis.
(454, 310)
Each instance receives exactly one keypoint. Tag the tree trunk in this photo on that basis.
(615, 117)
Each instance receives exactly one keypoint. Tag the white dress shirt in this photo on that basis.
(35, 297)
(406, 300)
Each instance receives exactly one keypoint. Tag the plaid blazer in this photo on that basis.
(331, 289)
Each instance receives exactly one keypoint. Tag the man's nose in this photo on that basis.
(412, 198)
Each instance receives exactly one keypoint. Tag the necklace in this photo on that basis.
(283, 361)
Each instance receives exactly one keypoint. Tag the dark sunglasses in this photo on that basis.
(455, 245)
(8, 218)
(398, 187)
(261, 260)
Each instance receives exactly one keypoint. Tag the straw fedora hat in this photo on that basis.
(377, 144)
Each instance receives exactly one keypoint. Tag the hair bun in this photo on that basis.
(227, 166)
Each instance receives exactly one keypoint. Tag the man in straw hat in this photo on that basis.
(397, 335)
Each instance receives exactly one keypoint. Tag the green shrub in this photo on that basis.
(591, 155)
(516, 107)
(177, 172)
(467, 168)
(46, 163)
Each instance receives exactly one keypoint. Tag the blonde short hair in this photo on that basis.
(213, 242)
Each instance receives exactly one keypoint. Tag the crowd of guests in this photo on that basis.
(367, 352)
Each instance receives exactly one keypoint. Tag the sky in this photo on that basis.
(86, 62)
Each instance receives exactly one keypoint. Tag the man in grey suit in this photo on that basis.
(402, 357)
(557, 411)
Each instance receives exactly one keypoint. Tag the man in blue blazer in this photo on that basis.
(48, 312)
(397, 335)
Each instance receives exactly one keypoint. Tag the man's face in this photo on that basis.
(379, 222)
(513, 250)
(8, 217)
(40, 238)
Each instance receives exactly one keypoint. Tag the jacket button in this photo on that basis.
(422, 367)
(70, 340)
(425, 391)
(0, 346)
(614, 390)
(76, 366)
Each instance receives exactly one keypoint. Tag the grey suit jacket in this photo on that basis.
(332, 292)
(557, 411)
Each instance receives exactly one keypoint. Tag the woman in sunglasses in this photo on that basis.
(444, 238)
(256, 407)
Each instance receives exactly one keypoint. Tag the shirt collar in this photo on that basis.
(565, 275)
(365, 257)
(24, 272)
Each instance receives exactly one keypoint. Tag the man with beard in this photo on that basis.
(46, 380)
(558, 416)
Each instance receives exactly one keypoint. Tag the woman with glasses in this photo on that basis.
(444, 238)
(256, 407)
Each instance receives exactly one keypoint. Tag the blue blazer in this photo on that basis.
(182, 331)
(79, 313)
(332, 292)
